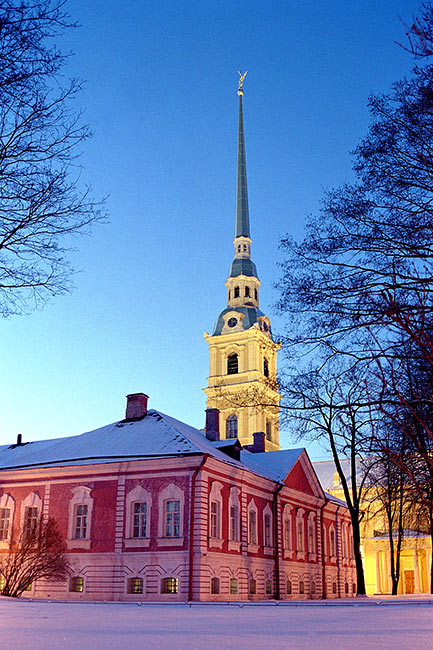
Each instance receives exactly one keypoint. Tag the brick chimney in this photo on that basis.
(136, 406)
(259, 442)
(212, 424)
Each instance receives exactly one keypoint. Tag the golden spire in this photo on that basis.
(241, 81)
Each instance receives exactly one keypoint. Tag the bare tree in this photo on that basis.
(42, 200)
(38, 553)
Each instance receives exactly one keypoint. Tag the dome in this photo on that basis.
(243, 266)
(251, 314)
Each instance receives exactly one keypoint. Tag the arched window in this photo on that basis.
(232, 427)
(236, 292)
(232, 364)
(245, 247)
(266, 368)
(255, 294)
(268, 430)
(301, 587)
(215, 585)
(247, 292)
(239, 248)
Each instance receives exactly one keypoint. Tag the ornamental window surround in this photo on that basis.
(137, 523)
(252, 523)
(300, 545)
(31, 510)
(80, 517)
(267, 527)
(171, 501)
(232, 364)
(215, 510)
(232, 426)
(287, 528)
(332, 541)
(311, 533)
(7, 511)
(234, 518)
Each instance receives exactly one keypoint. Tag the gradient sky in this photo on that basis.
(160, 96)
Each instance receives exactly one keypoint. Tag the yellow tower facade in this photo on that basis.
(242, 382)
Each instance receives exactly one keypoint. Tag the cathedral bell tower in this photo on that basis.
(242, 382)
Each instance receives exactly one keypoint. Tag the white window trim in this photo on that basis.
(234, 501)
(300, 553)
(32, 500)
(7, 501)
(332, 555)
(287, 517)
(170, 493)
(81, 496)
(311, 526)
(138, 494)
(268, 547)
(215, 495)
(252, 548)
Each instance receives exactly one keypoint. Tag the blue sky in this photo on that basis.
(160, 96)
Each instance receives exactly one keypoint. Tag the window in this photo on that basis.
(354, 588)
(232, 427)
(245, 247)
(232, 364)
(139, 519)
(76, 583)
(268, 586)
(247, 292)
(346, 588)
(266, 368)
(268, 430)
(267, 530)
(2, 581)
(288, 533)
(172, 519)
(299, 534)
(80, 527)
(215, 585)
(214, 518)
(233, 586)
(135, 585)
(234, 523)
(236, 292)
(313, 588)
(255, 294)
(344, 539)
(252, 586)
(30, 520)
(252, 527)
(288, 587)
(332, 542)
(334, 587)
(169, 585)
(5, 514)
(311, 535)
(301, 587)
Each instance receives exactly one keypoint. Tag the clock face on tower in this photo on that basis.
(232, 322)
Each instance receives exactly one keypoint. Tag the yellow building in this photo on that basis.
(415, 557)
(242, 382)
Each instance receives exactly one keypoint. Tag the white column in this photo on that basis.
(378, 574)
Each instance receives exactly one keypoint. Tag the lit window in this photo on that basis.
(232, 427)
(5, 514)
(233, 586)
(311, 537)
(215, 586)
(214, 518)
(288, 534)
(139, 519)
(332, 542)
(267, 530)
(30, 520)
(247, 292)
(252, 527)
(135, 585)
(268, 586)
(252, 586)
(76, 583)
(236, 292)
(169, 585)
(300, 535)
(234, 523)
(266, 368)
(80, 528)
(232, 364)
(2, 582)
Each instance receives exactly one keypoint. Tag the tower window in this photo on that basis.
(239, 248)
(245, 247)
(229, 294)
(232, 427)
(255, 294)
(247, 292)
(236, 292)
(232, 364)
(268, 430)
(266, 368)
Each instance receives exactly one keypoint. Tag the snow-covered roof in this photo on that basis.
(154, 436)
(272, 464)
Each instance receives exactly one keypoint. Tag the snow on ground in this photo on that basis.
(37, 625)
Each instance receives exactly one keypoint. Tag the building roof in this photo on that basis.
(272, 464)
(251, 315)
(243, 266)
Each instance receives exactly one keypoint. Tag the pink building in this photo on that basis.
(152, 510)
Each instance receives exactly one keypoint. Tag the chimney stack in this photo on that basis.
(212, 424)
(259, 442)
(136, 406)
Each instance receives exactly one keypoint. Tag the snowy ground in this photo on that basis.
(33, 625)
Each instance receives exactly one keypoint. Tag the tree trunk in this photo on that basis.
(360, 580)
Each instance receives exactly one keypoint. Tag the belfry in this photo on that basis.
(242, 382)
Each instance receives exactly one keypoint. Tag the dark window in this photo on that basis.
(346, 588)
(139, 518)
(215, 586)
(232, 364)
(236, 292)
(247, 292)
(229, 294)
(266, 368)
(233, 586)
(239, 248)
(255, 294)
(268, 430)
(76, 583)
(334, 587)
(268, 586)
(232, 427)
(245, 247)
(252, 586)
(354, 588)
(301, 587)
(169, 585)
(313, 588)
(289, 587)
(135, 585)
